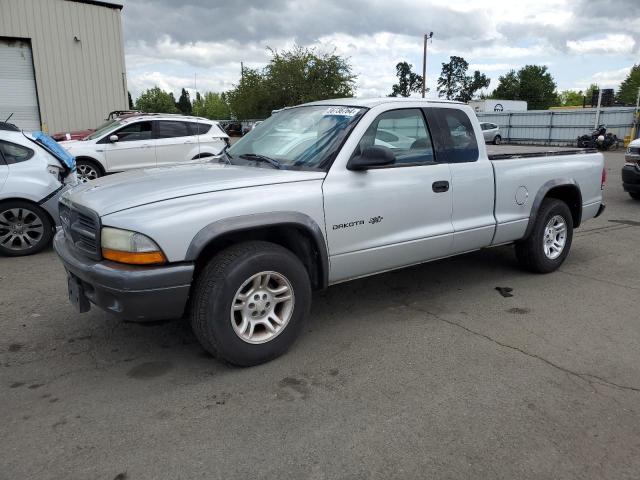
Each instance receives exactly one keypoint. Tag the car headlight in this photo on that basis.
(134, 248)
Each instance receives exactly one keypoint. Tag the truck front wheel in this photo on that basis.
(250, 303)
(546, 248)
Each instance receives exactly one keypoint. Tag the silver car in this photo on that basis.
(491, 133)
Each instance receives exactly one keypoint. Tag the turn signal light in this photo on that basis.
(134, 258)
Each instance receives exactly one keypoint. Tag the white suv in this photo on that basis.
(145, 140)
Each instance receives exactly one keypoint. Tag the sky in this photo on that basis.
(177, 44)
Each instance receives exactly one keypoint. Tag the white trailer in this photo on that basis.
(497, 105)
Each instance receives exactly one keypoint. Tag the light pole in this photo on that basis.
(424, 63)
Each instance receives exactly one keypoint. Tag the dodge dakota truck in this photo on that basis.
(316, 195)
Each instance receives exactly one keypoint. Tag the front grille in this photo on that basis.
(82, 228)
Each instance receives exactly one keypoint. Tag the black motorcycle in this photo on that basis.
(599, 139)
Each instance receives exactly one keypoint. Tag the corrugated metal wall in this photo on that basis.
(559, 127)
(79, 81)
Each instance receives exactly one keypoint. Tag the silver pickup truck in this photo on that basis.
(315, 195)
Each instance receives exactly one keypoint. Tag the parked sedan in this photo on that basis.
(32, 178)
(80, 134)
(145, 140)
(491, 133)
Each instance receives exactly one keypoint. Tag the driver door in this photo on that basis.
(394, 216)
(135, 147)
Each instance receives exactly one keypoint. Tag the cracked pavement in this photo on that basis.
(426, 372)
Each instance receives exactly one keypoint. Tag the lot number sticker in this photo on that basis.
(342, 111)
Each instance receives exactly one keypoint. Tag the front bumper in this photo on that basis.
(130, 292)
(631, 178)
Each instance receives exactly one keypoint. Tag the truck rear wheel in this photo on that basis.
(250, 303)
(546, 248)
(635, 195)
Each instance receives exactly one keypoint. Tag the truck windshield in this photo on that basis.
(300, 138)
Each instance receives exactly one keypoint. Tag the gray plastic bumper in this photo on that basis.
(130, 292)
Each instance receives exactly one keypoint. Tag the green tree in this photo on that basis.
(408, 81)
(455, 84)
(251, 97)
(508, 87)
(628, 92)
(532, 83)
(131, 106)
(212, 105)
(156, 100)
(184, 103)
(571, 98)
(292, 77)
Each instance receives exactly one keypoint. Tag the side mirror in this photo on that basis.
(113, 138)
(372, 157)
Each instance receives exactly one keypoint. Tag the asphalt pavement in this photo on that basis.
(427, 372)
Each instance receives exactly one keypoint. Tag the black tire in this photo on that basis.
(216, 287)
(635, 195)
(497, 140)
(88, 170)
(530, 251)
(21, 214)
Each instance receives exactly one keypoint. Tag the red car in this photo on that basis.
(80, 134)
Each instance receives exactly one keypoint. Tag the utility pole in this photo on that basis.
(424, 63)
(241, 71)
(598, 109)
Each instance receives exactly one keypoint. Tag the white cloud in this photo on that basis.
(617, 44)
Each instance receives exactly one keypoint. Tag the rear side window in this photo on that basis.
(174, 129)
(198, 128)
(453, 135)
(404, 132)
(14, 153)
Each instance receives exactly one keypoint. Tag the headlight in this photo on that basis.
(125, 246)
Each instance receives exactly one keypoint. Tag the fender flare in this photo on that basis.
(542, 193)
(261, 220)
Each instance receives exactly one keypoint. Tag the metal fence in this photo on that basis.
(559, 127)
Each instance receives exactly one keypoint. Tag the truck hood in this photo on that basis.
(140, 187)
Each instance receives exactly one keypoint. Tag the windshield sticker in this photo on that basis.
(341, 111)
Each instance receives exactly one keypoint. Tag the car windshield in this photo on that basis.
(102, 129)
(300, 138)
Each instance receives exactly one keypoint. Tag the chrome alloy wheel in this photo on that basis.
(86, 172)
(20, 229)
(262, 307)
(555, 237)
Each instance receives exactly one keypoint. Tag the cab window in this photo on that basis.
(405, 133)
(454, 137)
(13, 153)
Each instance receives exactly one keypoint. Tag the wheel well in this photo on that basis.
(294, 238)
(569, 194)
(94, 161)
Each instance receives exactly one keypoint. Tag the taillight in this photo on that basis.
(603, 179)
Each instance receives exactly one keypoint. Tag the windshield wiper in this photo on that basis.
(261, 158)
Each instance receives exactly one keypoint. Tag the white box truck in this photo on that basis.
(496, 105)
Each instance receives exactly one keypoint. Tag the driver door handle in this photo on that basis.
(440, 186)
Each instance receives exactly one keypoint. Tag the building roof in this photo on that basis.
(100, 3)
